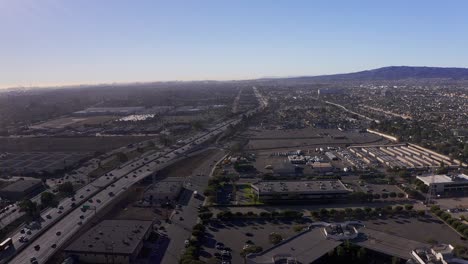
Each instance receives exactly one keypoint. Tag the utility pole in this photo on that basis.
(431, 192)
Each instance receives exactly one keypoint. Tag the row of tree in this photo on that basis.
(453, 222)
(288, 214)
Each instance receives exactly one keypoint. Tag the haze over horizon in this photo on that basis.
(88, 42)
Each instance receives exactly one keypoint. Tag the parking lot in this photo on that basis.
(423, 229)
(457, 206)
(24, 162)
(235, 234)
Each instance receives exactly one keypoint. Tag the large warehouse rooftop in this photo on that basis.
(444, 178)
(112, 237)
(22, 185)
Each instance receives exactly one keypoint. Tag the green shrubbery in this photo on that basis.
(453, 222)
(228, 215)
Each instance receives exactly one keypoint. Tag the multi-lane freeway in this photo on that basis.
(61, 223)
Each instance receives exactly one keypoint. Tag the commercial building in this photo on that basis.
(340, 231)
(321, 237)
(321, 166)
(331, 156)
(288, 170)
(111, 241)
(299, 190)
(439, 254)
(447, 184)
(21, 189)
(305, 247)
(164, 191)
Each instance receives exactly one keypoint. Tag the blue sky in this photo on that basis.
(58, 42)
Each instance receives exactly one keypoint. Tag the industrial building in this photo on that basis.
(111, 241)
(331, 156)
(321, 166)
(403, 156)
(21, 189)
(299, 190)
(288, 170)
(96, 111)
(447, 184)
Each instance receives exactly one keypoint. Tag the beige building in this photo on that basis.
(111, 241)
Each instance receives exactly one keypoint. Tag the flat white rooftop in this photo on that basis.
(443, 178)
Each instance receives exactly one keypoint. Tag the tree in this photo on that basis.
(368, 210)
(236, 147)
(323, 212)
(48, 199)
(122, 157)
(29, 207)
(408, 207)
(275, 238)
(362, 255)
(66, 188)
(398, 208)
(197, 125)
(251, 249)
(205, 215)
(340, 251)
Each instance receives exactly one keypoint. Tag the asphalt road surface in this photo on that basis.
(101, 193)
(180, 227)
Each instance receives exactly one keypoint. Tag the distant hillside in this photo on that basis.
(397, 73)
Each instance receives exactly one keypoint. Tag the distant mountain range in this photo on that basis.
(395, 73)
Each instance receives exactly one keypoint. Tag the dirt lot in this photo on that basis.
(75, 144)
(185, 167)
(73, 122)
(297, 138)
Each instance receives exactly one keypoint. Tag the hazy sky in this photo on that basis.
(55, 42)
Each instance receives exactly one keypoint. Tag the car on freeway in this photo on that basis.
(219, 245)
